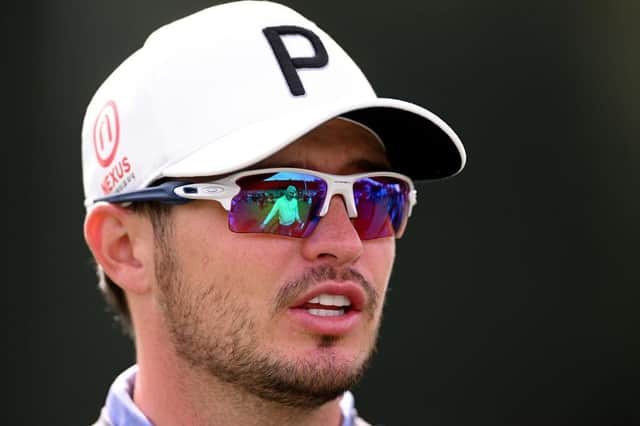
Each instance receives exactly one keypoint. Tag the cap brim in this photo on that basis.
(419, 144)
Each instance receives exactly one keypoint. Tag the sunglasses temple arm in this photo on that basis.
(164, 193)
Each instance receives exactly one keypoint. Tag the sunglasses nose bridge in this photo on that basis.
(345, 189)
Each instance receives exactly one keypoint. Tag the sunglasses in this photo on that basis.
(290, 202)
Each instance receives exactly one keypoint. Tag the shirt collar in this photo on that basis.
(121, 409)
(348, 409)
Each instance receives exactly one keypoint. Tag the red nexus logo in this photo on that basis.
(118, 176)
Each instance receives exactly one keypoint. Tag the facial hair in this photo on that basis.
(213, 331)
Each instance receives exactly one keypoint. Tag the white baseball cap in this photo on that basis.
(220, 90)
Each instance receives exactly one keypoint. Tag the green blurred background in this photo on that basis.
(515, 296)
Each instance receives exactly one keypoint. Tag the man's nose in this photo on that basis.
(334, 238)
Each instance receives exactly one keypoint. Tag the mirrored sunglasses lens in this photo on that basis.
(382, 204)
(284, 203)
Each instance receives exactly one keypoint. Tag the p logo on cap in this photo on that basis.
(288, 64)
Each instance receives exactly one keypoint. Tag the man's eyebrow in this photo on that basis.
(371, 165)
(367, 165)
(288, 164)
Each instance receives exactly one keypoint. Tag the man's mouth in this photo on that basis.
(333, 308)
(327, 305)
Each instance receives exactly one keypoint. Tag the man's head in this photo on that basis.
(291, 192)
(240, 87)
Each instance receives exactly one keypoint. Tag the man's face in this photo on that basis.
(291, 192)
(253, 309)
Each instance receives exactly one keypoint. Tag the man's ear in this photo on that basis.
(122, 243)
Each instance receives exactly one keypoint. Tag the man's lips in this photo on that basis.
(330, 320)
(350, 290)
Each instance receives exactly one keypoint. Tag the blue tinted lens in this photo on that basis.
(382, 203)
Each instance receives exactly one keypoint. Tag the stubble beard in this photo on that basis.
(214, 332)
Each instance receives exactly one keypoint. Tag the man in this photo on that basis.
(286, 207)
(235, 324)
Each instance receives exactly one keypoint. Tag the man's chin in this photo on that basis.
(312, 379)
(328, 353)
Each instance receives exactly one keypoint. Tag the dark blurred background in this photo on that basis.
(515, 296)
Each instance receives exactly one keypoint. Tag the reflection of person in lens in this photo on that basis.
(286, 207)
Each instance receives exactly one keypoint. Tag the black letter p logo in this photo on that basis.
(288, 64)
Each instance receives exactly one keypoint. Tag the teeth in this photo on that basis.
(326, 312)
(331, 300)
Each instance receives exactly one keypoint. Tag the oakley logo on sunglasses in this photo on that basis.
(288, 65)
(212, 189)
